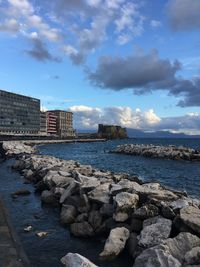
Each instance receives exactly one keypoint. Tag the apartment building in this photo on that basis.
(19, 114)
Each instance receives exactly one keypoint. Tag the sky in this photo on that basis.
(135, 63)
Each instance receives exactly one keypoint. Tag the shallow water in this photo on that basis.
(181, 175)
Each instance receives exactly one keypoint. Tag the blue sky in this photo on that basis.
(128, 62)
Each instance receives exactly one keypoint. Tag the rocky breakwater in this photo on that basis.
(157, 226)
(14, 148)
(163, 152)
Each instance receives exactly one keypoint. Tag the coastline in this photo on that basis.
(101, 198)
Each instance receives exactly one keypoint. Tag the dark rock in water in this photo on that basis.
(82, 229)
(21, 192)
(136, 225)
(146, 211)
(48, 197)
(132, 244)
(68, 214)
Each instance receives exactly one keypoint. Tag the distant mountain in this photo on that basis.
(135, 133)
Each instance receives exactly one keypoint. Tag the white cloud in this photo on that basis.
(156, 24)
(86, 117)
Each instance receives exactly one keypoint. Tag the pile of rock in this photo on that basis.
(13, 148)
(164, 152)
(159, 227)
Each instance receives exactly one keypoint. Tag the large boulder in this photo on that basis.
(192, 257)
(169, 254)
(48, 197)
(68, 191)
(95, 219)
(68, 214)
(191, 217)
(146, 211)
(155, 233)
(76, 260)
(82, 229)
(125, 204)
(115, 243)
(100, 194)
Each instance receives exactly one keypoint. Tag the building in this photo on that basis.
(64, 123)
(51, 123)
(111, 132)
(43, 123)
(19, 115)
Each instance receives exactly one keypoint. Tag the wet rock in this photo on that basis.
(42, 234)
(48, 197)
(191, 217)
(76, 260)
(192, 257)
(179, 204)
(132, 244)
(21, 192)
(146, 211)
(82, 229)
(168, 213)
(115, 243)
(154, 234)
(68, 214)
(100, 194)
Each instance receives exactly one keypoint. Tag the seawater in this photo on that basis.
(181, 175)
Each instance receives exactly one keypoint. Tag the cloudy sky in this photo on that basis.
(130, 62)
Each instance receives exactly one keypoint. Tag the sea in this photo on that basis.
(28, 210)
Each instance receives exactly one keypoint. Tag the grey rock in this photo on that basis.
(115, 243)
(154, 234)
(192, 257)
(191, 217)
(132, 244)
(48, 197)
(82, 229)
(136, 225)
(82, 217)
(68, 192)
(95, 219)
(100, 194)
(107, 210)
(146, 211)
(76, 260)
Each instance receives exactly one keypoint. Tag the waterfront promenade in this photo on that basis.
(11, 251)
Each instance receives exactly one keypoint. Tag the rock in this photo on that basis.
(156, 257)
(155, 233)
(132, 244)
(13, 148)
(191, 217)
(68, 192)
(107, 210)
(179, 204)
(29, 174)
(82, 217)
(20, 192)
(82, 229)
(54, 179)
(48, 197)
(42, 234)
(125, 204)
(146, 211)
(95, 219)
(87, 183)
(100, 194)
(115, 243)
(28, 228)
(192, 257)
(124, 186)
(68, 214)
(168, 213)
(76, 260)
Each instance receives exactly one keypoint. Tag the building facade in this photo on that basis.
(64, 123)
(51, 123)
(19, 115)
(43, 123)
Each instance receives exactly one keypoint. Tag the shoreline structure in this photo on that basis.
(158, 226)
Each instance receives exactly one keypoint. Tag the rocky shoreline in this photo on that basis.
(158, 226)
(163, 152)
